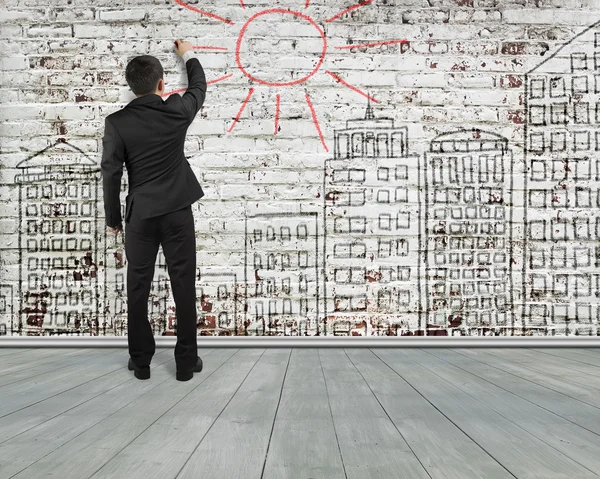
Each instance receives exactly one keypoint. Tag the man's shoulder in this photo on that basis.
(116, 115)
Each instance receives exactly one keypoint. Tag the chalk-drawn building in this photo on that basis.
(467, 258)
(282, 275)
(371, 224)
(59, 248)
(562, 190)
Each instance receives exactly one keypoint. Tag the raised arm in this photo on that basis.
(193, 98)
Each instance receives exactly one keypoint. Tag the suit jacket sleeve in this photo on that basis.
(193, 98)
(113, 157)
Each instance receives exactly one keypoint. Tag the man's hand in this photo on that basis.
(183, 47)
(115, 230)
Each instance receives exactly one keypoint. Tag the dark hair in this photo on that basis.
(143, 74)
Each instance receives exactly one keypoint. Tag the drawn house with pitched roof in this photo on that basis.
(561, 281)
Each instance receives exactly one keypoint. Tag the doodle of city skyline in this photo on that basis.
(453, 242)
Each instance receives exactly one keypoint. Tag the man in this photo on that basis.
(147, 136)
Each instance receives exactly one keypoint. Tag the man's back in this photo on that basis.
(148, 135)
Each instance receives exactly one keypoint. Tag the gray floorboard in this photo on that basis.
(521, 453)
(465, 413)
(501, 392)
(304, 442)
(444, 450)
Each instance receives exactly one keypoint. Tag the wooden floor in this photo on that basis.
(303, 413)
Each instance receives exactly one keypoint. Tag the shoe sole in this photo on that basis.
(140, 374)
(187, 375)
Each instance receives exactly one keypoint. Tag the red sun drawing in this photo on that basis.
(252, 71)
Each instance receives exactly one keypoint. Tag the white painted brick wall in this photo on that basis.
(464, 67)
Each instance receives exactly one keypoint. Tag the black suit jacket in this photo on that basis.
(147, 136)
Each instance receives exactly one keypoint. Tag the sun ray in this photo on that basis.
(367, 45)
(206, 47)
(242, 2)
(316, 122)
(277, 110)
(212, 82)
(202, 12)
(307, 3)
(237, 118)
(353, 88)
(353, 7)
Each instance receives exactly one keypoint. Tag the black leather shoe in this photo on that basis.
(138, 372)
(186, 375)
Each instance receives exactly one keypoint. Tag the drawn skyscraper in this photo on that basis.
(282, 274)
(468, 186)
(562, 190)
(371, 223)
(59, 248)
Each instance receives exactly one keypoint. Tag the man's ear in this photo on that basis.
(161, 85)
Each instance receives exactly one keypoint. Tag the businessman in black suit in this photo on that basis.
(147, 136)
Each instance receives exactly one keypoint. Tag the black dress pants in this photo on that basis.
(176, 233)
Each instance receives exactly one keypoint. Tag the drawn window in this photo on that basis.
(559, 141)
(582, 113)
(383, 196)
(483, 169)
(370, 145)
(537, 114)
(343, 146)
(401, 172)
(60, 190)
(258, 264)
(536, 142)
(579, 61)
(31, 210)
(32, 192)
(468, 169)
(302, 231)
(286, 233)
(258, 235)
(402, 247)
(357, 145)
(558, 115)
(453, 169)
(537, 88)
(86, 209)
(581, 140)
(403, 220)
(583, 169)
(583, 197)
(385, 222)
(383, 146)
(597, 83)
(383, 174)
(72, 191)
(397, 145)
(579, 85)
(597, 61)
(597, 112)
(557, 87)
(303, 259)
(401, 195)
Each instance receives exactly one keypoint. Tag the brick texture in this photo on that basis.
(462, 200)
